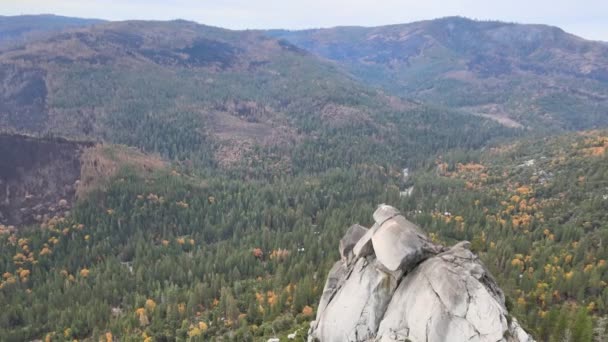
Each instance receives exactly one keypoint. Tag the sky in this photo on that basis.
(585, 18)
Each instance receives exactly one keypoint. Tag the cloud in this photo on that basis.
(583, 17)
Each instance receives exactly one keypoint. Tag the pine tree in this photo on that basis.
(582, 328)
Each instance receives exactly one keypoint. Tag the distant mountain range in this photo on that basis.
(192, 91)
(18, 29)
(520, 75)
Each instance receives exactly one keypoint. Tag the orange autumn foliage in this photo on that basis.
(258, 253)
(307, 311)
(279, 254)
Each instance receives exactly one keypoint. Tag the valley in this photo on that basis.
(171, 181)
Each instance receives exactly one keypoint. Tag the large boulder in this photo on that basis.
(399, 244)
(449, 297)
(401, 287)
(385, 212)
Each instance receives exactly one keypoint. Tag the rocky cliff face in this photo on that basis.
(394, 284)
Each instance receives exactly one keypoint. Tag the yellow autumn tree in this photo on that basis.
(195, 331)
(142, 316)
(45, 250)
(271, 298)
(150, 305)
(24, 274)
(203, 326)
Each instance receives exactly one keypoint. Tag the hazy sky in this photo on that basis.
(586, 18)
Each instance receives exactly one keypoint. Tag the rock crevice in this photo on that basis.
(394, 284)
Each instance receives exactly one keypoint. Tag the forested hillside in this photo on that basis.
(170, 255)
(215, 97)
(535, 76)
(173, 256)
(222, 167)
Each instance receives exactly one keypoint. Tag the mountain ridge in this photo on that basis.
(236, 97)
(18, 29)
(530, 76)
(495, 69)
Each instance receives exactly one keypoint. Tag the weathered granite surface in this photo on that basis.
(394, 284)
(350, 239)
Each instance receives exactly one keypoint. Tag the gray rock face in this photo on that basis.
(350, 239)
(364, 246)
(405, 288)
(335, 279)
(385, 212)
(446, 299)
(355, 310)
(399, 244)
